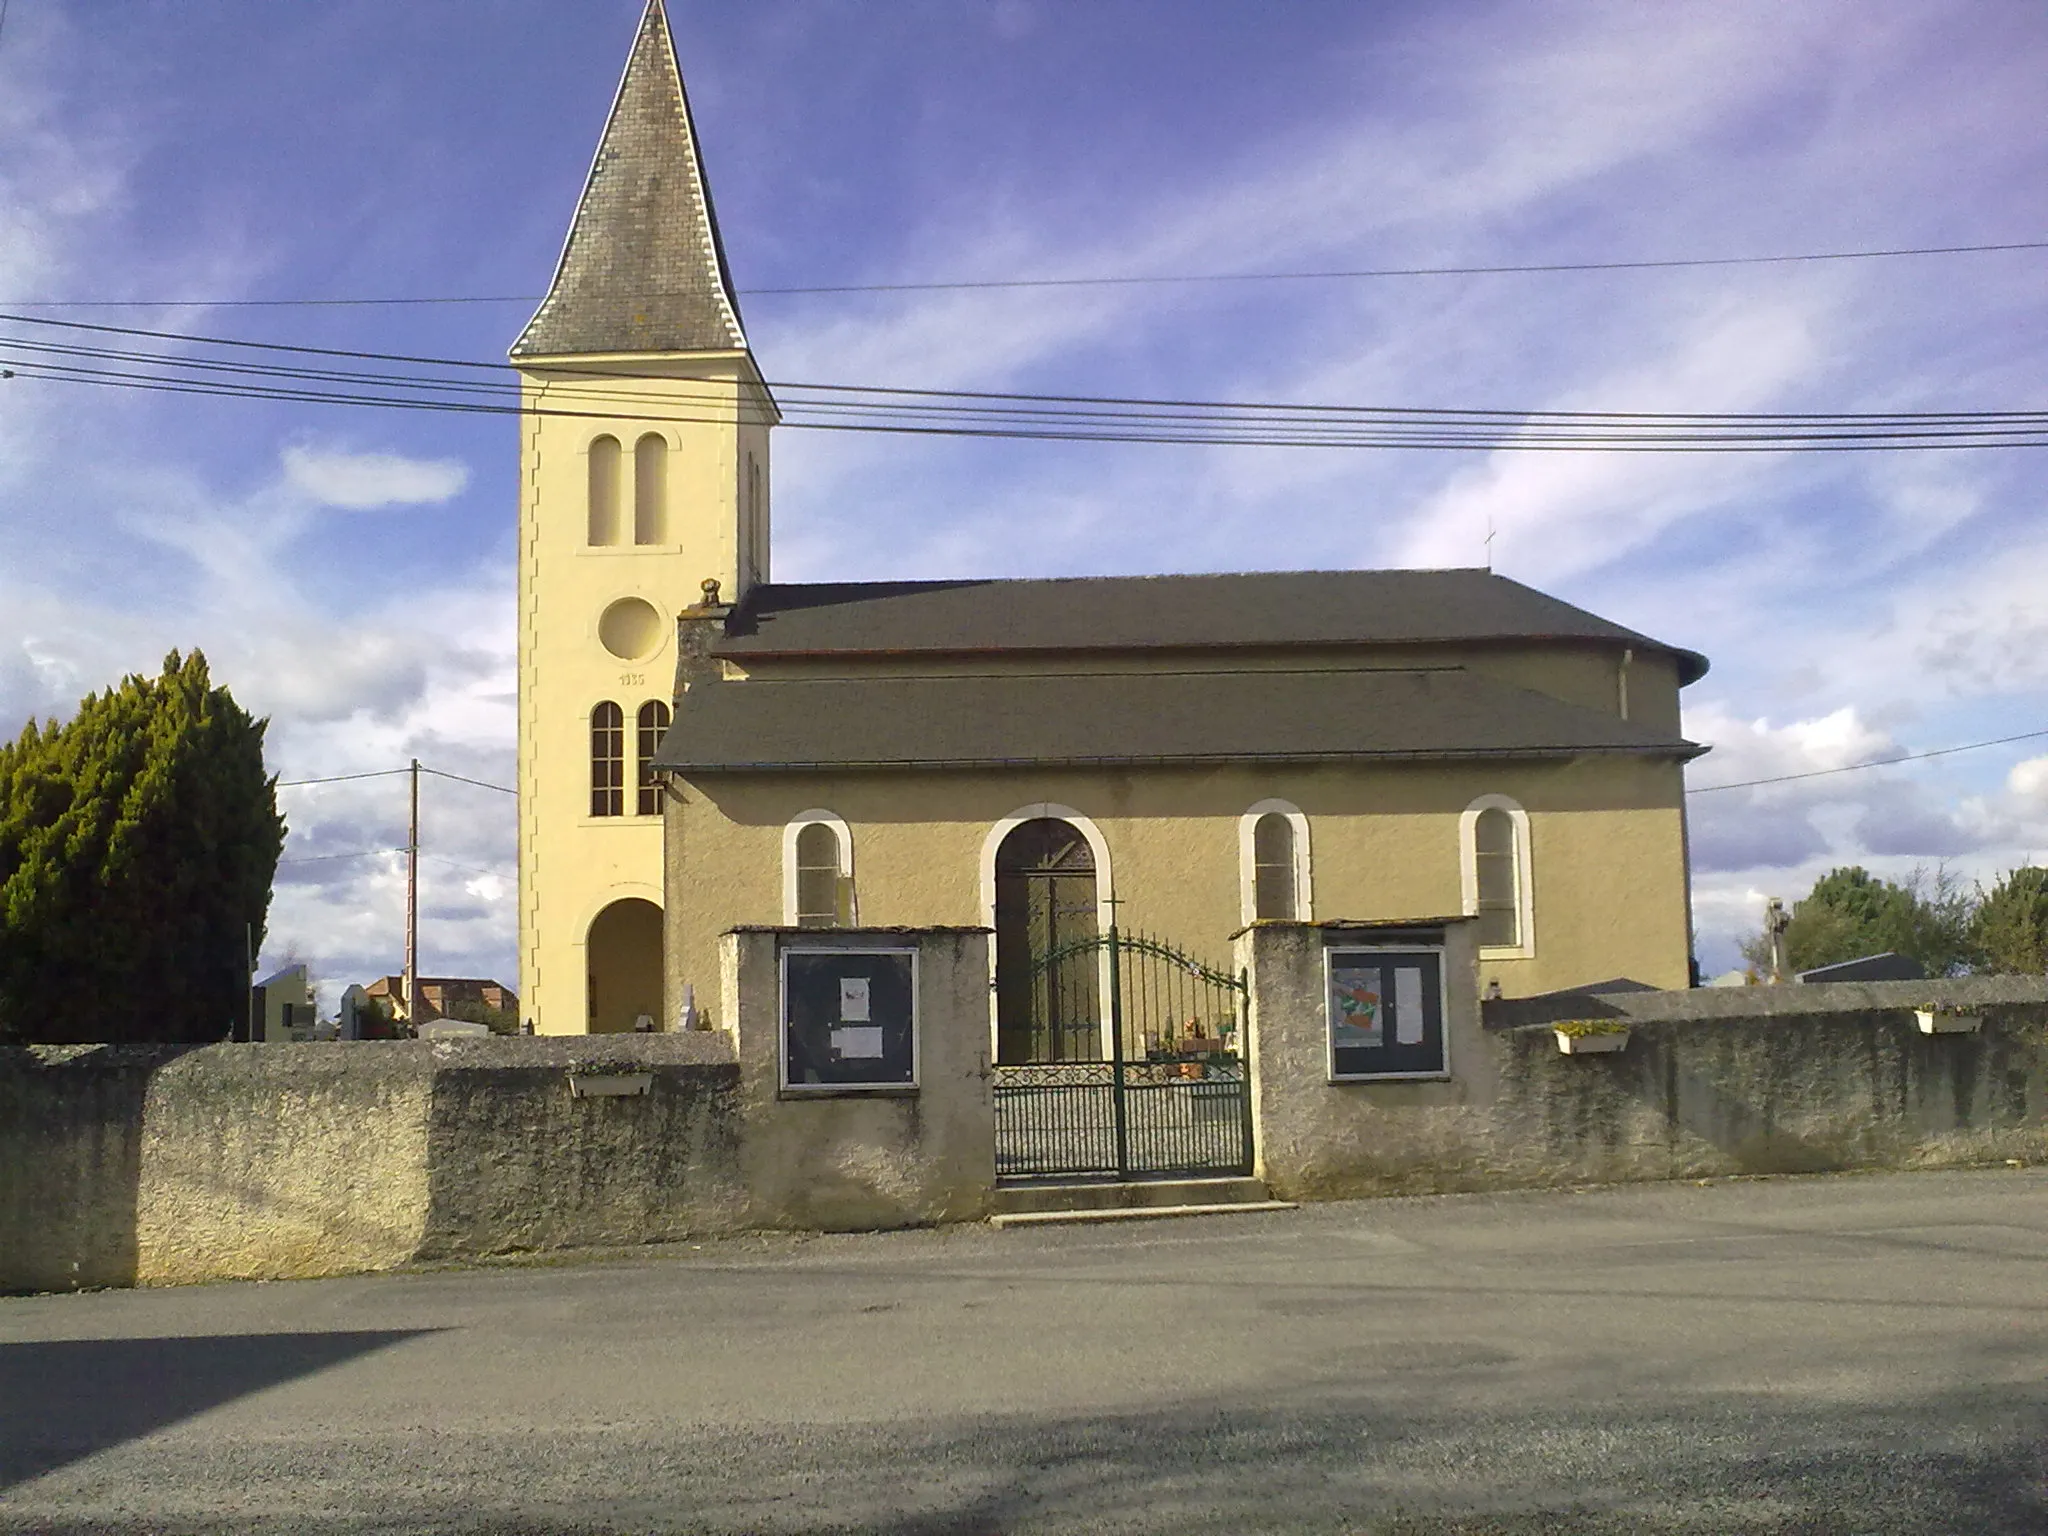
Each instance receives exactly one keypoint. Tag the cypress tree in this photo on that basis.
(138, 842)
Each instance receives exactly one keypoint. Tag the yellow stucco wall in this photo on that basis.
(1606, 866)
(711, 412)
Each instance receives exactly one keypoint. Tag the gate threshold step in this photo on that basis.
(1134, 1213)
(1125, 1195)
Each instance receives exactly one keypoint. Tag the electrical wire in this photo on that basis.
(988, 414)
(489, 874)
(1505, 413)
(1882, 762)
(339, 778)
(438, 773)
(1137, 280)
(329, 858)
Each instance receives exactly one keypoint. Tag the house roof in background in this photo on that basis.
(1149, 717)
(643, 269)
(1254, 609)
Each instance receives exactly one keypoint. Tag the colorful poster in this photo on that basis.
(1357, 1009)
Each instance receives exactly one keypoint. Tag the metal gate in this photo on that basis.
(1170, 1092)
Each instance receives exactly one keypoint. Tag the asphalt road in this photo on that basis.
(1818, 1355)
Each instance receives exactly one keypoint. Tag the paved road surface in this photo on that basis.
(1822, 1355)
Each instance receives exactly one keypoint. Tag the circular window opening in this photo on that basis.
(630, 628)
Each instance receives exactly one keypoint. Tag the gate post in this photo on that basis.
(1116, 1057)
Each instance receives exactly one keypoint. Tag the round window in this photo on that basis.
(630, 628)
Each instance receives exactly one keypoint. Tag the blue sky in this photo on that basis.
(349, 572)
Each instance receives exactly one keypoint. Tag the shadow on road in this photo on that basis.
(1348, 1460)
(65, 1399)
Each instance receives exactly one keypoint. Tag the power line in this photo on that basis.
(1621, 433)
(991, 414)
(329, 858)
(1882, 762)
(339, 778)
(1164, 403)
(492, 874)
(1112, 281)
(438, 773)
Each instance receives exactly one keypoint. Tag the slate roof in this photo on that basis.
(1147, 717)
(643, 269)
(1262, 608)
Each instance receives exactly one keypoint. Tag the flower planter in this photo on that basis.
(1607, 1040)
(1935, 1022)
(609, 1085)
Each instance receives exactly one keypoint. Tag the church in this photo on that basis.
(703, 748)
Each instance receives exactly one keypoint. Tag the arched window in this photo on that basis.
(1273, 863)
(1494, 841)
(653, 726)
(607, 760)
(650, 488)
(604, 490)
(817, 871)
(1273, 866)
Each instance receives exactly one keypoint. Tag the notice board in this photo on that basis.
(1385, 1012)
(849, 1019)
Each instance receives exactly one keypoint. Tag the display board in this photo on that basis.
(1386, 1013)
(849, 1018)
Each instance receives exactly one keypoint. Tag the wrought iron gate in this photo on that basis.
(1168, 1093)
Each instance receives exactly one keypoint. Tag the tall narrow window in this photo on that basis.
(604, 490)
(1497, 874)
(607, 760)
(650, 488)
(817, 876)
(757, 521)
(1273, 864)
(1493, 842)
(653, 724)
(1273, 867)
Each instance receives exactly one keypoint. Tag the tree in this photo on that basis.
(1851, 913)
(138, 842)
(502, 1021)
(2010, 927)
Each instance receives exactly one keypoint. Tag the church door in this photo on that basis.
(1047, 1006)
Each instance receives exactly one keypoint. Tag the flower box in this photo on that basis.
(609, 1085)
(1585, 1040)
(1945, 1021)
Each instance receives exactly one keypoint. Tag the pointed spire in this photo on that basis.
(643, 269)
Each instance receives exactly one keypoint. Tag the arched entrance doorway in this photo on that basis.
(1047, 1006)
(622, 962)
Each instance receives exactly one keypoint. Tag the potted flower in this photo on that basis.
(1588, 1037)
(1948, 1019)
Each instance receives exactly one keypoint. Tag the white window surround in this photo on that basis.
(1525, 878)
(1247, 860)
(1105, 892)
(842, 835)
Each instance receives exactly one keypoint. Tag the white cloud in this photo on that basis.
(1756, 749)
(362, 482)
(2028, 781)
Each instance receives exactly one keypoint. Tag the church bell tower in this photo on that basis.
(643, 475)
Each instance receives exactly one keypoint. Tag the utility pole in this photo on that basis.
(412, 903)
